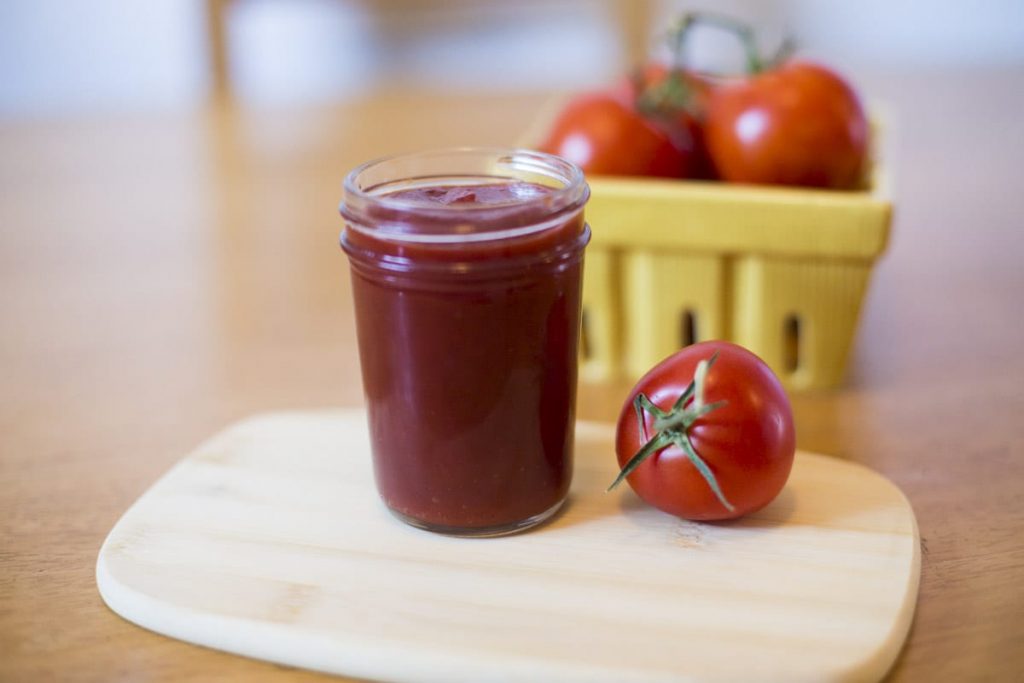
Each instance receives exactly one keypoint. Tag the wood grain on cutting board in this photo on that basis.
(270, 541)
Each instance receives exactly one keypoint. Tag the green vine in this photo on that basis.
(679, 35)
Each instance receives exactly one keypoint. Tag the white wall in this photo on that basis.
(319, 49)
(877, 33)
(96, 56)
(99, 55)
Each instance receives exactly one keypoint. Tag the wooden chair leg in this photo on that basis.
(634, 20)
(216, 33)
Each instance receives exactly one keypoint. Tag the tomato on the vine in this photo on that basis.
(651, 77)
(604, 134)
(707, 434)
(676, 98)
(795, 124)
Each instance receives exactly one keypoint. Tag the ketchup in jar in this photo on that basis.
(466, 272)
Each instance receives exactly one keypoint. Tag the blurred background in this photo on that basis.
(186, 157)
(72, 57)
(170, 172)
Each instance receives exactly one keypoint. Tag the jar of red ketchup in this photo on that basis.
(466, 274)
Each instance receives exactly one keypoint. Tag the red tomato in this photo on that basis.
(655, 74)
(681, 106)
(738, 423)
(603, 134)
(798, 124)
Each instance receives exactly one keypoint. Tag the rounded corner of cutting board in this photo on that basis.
(542, 583)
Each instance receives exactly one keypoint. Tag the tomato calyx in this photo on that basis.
(667, 98)
(672, 428)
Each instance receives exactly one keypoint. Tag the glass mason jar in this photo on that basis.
(466, 274)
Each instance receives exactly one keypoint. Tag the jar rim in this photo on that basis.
(573, 187)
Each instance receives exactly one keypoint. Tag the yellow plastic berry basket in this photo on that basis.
(782, 271)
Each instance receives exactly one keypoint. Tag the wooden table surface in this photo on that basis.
(164, 275)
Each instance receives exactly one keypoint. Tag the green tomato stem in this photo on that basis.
(672, 427)
(683, 441)
(679, 35)
(656, 444)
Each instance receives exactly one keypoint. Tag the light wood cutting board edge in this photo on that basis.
(208, 630)
(885, 657)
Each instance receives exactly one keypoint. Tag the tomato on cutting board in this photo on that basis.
(707, 434)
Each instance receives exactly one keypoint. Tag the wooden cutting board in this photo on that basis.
(270, 541)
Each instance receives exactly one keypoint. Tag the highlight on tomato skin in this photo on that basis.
(725, 450)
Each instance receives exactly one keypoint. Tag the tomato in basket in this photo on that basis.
(796, 124)
(677, 97)
(605, 134)
(781, 122)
